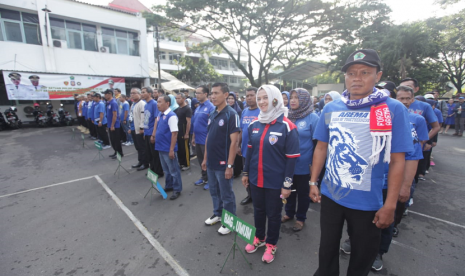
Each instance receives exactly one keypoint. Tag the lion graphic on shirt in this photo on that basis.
(345, 167)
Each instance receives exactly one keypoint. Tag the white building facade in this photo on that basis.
(66, 37)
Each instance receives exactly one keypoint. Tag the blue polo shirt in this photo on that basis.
(306, 127)
(99, 108)
(150, 113)
(439, 115)
(220, 126)
(84, 109)
(423, 109)
(112, 106)
(124, 108)
(163, 134)
(419, 133)
(350, 180)
(131, 117)
(248, 116)
(272, 151)
(90, 110)
(200, 123)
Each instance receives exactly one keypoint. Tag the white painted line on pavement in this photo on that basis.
(165, 254)
(438, 219)
(48, 186)
(408, 247)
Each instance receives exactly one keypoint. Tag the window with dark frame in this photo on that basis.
(19, 27)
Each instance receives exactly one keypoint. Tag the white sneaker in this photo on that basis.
(128, 144)
(106, 147)
(426, 171)
(223, 230)
(185, 168)
(212, 220)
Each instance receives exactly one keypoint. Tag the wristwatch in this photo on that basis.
(287, 182)
(230, 166)
(312, 183)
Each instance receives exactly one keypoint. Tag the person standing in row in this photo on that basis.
(358, 134)
(90, 117)
(272, 150)
(124, 119)
(249, 115)
(459, 117)
(150, 115)
(223, 129)
(165, 137)
(117, 97)
(100, 120)
(450, 117)
(136, 121)
(199, 129)
(302, 115)
(184, 113)
(113, 123)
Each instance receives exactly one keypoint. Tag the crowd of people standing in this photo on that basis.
(360, 153)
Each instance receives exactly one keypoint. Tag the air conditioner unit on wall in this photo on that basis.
(60, 44)
(104, 49)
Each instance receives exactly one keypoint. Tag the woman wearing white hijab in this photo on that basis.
(272, 149)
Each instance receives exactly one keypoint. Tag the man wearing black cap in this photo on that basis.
(358, 135)
(389, 85)
(15, 90)
(113, 122)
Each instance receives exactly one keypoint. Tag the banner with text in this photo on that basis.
(33, 86)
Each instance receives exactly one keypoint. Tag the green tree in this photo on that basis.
(197, 72)
(273, 32)
(450, 36)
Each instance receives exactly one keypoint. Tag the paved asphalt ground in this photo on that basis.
(103, 225)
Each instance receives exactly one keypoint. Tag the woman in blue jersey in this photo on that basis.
(272, 149)
(302, 115)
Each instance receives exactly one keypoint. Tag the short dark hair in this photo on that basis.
(117, 89)
(166, 98)
(108, 91)
(406, 89)
(182, 95)
(148, 89)
(97, 95)
(222, 85)
(415, 82)
(251, 88)
(204, 89)
(161, 91)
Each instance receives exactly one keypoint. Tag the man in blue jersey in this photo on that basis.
(249, 115)
(113, 122)
(150, 115)
(220, 152)
(166, 136)
(90, 117)
(199, 129)
(100, 120)
(357, 135)
(124, 119)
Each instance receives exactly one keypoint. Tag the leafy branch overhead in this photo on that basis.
(267, 33)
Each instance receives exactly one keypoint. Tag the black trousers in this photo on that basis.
(122, 134)
(183, 151)
(200, 150)
(81, 120)
(248, 187)
(299, 198)
(115, 139)
(427, 157)
(139, 144)
(102, 133)
(365, 238)
(92, 129)
(153, 157)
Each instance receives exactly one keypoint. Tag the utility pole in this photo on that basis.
(157, 37)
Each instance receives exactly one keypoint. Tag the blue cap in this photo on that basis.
(461, 98)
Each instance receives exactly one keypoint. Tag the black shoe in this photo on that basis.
(175, 195)
(137, 165)
(113, 155)
(395, 232)
(143, 167)
(168, 189)
(246, 200)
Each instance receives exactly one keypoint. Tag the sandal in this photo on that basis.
(298, 226)
(285, 218)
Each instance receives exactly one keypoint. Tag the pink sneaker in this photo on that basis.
(431, 163)
(270, 250)
(251, 248)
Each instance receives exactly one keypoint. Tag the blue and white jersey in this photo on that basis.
(419, 133)
(350, 180)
